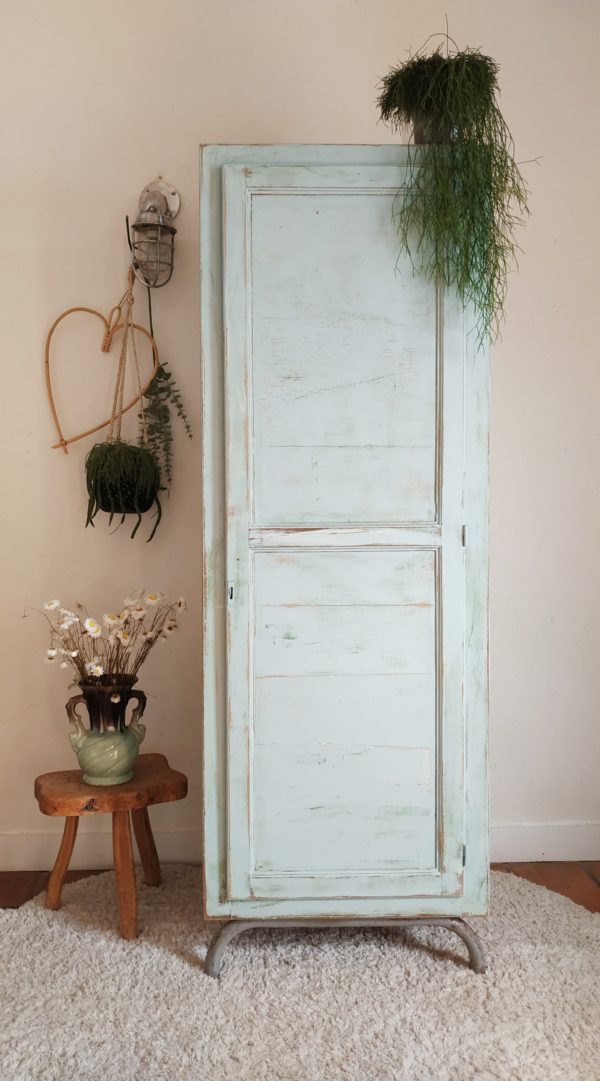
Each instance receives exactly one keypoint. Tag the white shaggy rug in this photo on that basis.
(79, 1004)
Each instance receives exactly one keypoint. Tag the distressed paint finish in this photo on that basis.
(337, 748)
(330, 628)
(343, 410)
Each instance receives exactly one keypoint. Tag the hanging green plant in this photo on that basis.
(161, 396)
(122, 479)
(464, 194)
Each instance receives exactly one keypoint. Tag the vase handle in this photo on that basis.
(139, 709)
(137, 729)
(72, 713)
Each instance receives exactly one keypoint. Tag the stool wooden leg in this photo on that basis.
(55, 882)
(146, 846)
(125, 874)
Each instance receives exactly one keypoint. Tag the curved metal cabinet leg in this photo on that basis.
(214, 957)
(229, 931)
(477, 959)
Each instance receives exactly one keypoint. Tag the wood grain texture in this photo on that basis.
(17, 887)
(212, 160)
(476, 674)
(331, 629)
(338, 442)
(146, 847)
(313, 814)
(592, 868)
(351, 395)
(57, 877)
(124, 874)
(65, 793)
(570, 879)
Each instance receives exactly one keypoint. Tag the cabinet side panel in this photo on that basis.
(213, 541)
(477, 364)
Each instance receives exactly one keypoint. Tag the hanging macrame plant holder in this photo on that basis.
(123, 478)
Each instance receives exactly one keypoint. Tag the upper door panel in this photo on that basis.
(343, 345)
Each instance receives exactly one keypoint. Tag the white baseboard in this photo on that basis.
(93, 849)
(510, 843)
(517, 842)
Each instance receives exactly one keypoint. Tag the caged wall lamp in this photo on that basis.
(153, 234)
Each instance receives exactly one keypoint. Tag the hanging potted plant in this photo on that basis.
(123, 478)
(106, 657)
(464, 194)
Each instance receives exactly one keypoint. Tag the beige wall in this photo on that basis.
(99, 97)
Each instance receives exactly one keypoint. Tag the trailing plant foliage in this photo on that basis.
(162, 396)
(122, 479)
(464, 194)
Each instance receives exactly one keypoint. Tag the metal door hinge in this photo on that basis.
(464, 536)
(464, 855)
(230, 591)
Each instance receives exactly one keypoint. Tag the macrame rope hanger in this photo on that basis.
(126, 306)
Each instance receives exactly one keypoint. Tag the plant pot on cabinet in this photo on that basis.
(429, 128)
(462, 194)
(108, 749)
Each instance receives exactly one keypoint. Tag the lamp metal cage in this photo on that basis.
(153, 234)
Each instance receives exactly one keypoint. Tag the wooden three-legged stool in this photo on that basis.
(66, 794)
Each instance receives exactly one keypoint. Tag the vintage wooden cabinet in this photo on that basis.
(345, 551)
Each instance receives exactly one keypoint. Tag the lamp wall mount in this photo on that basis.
(162, 187)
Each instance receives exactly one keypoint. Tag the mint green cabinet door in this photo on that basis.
(345, 728)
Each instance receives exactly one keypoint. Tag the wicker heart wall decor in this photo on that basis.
(122, 478)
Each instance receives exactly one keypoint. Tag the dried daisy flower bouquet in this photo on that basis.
(106, 656)
(113, 650)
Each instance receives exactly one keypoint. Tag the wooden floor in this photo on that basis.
(579, 881)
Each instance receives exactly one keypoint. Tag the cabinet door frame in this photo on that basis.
(442, 535)
(218, 899)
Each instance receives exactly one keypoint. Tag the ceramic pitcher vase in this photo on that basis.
(107, 750)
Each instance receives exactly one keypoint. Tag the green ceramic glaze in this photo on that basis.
(107, 751)
(107, 757)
